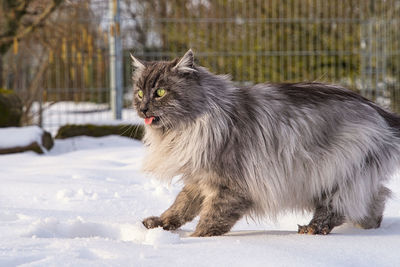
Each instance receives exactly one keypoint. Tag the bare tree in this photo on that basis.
(19, 19)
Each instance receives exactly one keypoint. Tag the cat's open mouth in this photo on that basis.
(151, 120)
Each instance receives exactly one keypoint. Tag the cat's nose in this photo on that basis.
(144, 110)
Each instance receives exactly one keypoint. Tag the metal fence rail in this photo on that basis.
(355, 43)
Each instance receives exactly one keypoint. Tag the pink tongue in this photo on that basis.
(148, 120)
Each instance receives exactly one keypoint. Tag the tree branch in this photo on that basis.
(6, 41)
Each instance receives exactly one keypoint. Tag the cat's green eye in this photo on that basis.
(160, 92)
(140, 93)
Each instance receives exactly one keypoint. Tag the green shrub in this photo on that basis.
(10, 108)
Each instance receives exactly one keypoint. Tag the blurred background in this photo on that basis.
(68, 61)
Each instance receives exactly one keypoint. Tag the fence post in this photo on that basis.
(40, 122)
(115, 44)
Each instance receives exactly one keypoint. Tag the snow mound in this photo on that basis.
(159, 236)
(20, 136)
(78, 228)
(6, 216)
(155, 237)
(67, 195)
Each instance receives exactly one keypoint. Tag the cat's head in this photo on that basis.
(167, 93)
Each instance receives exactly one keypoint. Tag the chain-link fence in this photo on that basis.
(62, 71)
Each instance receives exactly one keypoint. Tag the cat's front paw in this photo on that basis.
(171, 223)
(312, 229)
(152, 222)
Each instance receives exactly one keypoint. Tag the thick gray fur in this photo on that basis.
(264, 149)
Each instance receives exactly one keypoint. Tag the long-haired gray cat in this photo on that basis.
(263, 149)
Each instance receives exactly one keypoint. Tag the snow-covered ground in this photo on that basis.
(82, 204)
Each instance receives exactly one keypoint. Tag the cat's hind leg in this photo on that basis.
(375, 211)
(322, 223)
(220, 211)
(186, 206)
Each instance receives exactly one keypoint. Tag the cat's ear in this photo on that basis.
(186, 63)
(137, 64)
(138, 68)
